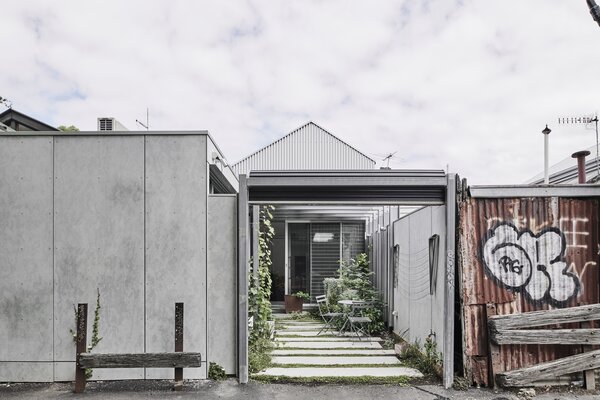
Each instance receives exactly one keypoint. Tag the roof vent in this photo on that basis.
(110, 124)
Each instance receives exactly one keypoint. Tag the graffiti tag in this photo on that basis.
(530, 263)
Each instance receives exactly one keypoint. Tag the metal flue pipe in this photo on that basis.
(546, 132)
(580, 156)
(594, 10)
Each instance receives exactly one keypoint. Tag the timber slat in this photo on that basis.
(589, 312)
(140, 360)
(548, 370)
(547, 336)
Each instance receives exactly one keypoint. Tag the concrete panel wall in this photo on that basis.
(99, 245)
(26, 266)
(123, 214)
(176, 203)
(222, 276)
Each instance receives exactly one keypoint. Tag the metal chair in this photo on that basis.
(358, 322)
(328, 316)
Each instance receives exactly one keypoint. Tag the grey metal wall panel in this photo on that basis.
(176, 202)
(401, 282)
(438, 226)
(420, 300)
(99, 244)
(26, 257)
(222, 278)
(308, 147)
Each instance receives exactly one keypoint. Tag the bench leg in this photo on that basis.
(178, 343)
(81, 347)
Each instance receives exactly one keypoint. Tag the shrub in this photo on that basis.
(216, 372)
(259, 354)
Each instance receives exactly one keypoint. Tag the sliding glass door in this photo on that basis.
(298, 257)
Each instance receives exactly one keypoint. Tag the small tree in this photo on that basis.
(70, 128)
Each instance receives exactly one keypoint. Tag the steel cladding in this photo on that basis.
(519, 255)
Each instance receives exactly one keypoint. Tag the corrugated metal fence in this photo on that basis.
(520, 255)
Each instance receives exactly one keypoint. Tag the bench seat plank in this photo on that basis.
(140, 360)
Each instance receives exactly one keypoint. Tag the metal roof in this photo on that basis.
(349, 186)
(333, 212)
(522, 191)
(565, 171)
(307, 147)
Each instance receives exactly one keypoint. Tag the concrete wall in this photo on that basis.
(26, 264)
(222, 272)
(418, 313)
(125, 214)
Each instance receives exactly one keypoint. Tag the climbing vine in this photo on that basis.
(96, 338)
(260, 289)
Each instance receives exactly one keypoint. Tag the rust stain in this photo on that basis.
(567, 231)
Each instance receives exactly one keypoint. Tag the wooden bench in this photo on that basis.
(177, 360)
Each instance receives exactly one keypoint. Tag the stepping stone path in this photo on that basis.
(301, 353)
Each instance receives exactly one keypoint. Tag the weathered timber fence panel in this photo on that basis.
(502, 282)
(505, 329)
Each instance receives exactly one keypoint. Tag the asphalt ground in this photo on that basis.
(230, 389)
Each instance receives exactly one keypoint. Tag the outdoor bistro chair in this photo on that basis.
(328, 316)
(358, 321)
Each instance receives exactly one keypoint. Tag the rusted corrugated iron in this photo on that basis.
(528, 231)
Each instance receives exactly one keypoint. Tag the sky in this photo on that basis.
(446, 84)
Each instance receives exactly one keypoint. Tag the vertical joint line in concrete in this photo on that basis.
(144, 241)
(52, 176)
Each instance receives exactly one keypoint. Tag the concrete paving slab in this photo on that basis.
(311, 327)
(330, 345)
(326, 339)
(299, 323)
(342, 372)
(308, 333)
(333, 352)
(339, 360)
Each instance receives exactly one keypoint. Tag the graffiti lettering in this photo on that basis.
(532, 264)
(573, 224)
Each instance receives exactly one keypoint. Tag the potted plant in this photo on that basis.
(294, 302)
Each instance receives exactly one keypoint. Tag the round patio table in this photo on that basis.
(345, 304)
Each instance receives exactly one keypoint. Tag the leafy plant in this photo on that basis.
(302, 295)
(260, 289)
(95, 339)
(355, 283)
(259, 354)
(428, 360)
(216, 372)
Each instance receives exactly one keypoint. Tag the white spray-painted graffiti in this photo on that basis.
(530, 263)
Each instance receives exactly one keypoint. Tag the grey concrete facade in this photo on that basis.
(123, 213)
(222, 266)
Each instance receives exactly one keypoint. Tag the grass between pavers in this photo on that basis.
(274, 365)
(358, 380)
(332, 355)
(329, 348)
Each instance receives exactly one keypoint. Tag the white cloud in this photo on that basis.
(465, 83)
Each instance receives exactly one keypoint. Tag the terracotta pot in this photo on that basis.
(293, 303)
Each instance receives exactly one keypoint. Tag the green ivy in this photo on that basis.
(259, 294)
(95, 339)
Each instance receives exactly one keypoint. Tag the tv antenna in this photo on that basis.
(587, 120)
(388, 158)
(147, 124)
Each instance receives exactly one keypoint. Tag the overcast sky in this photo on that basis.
(469, 84)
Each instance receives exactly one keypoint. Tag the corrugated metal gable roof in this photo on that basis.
(307, 147)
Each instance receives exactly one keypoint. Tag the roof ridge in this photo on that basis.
(296, 130)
